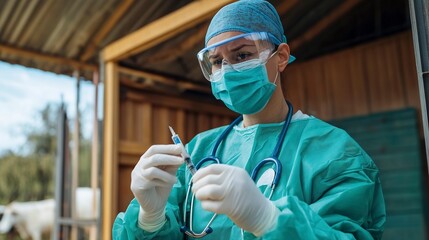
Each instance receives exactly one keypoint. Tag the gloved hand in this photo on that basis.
(151, 181)
(229, 190)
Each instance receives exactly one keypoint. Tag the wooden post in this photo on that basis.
(94, 160)
(110, 146)
(75, 155)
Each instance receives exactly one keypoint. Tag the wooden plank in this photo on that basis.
(319, 101)
(124, 183)
(409, 72)
(382, 65)
(215, 121)
(294, 86)
(358, 81)
(46, 58)
(345, 74)
(180, 84)
(285, 6)
(129, 120)
(374, 83)
(202, 122)
(163, 29)
(227, 120)
(191, 125)
(181, 124)
(143, 123)
(393, 82)
(338, 86)
(110, 156)
(168, 54)
(126, 121)
(132, 147)
(324, 23)
(160, 125)
(128, 159)
(175, 102)
(91, 47)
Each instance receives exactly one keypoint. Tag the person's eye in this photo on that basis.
(216, 62)
(243, 56)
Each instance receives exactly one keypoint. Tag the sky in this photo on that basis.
(25, 91)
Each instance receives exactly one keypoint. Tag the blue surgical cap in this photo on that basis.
(248, 16)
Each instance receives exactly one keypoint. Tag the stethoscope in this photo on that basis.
(212, 158)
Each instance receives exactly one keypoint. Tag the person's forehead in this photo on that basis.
(222, 37)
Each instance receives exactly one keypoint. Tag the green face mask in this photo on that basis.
(243, 88)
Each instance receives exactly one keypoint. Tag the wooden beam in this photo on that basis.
(324, 23)
(162, 29)
(168, 54)
(110, 146)
(105, 29)
(46, 58)
(179, 84)
(285, 6)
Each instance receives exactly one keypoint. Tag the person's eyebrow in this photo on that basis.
(233, 49)
(214, 55)
(238, 47)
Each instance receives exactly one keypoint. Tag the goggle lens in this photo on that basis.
(235, 50)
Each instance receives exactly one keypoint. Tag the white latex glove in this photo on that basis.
(151, 181)
(229, 190)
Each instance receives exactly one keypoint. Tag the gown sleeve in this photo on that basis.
(346, 200)
(126, 226)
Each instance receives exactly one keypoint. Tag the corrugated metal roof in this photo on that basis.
(68, 32)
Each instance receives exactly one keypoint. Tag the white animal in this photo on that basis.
(31, 219)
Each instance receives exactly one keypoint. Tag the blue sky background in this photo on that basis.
(25, 91)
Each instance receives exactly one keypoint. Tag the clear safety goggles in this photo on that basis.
(235, 50)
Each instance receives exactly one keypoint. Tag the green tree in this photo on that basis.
(29, 173)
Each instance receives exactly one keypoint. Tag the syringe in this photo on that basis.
(184, 154)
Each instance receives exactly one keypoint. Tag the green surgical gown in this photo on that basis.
(329, 187)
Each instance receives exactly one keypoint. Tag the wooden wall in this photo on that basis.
(369, 78)
(143, 121)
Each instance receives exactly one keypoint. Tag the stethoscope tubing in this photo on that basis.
(273, 159)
